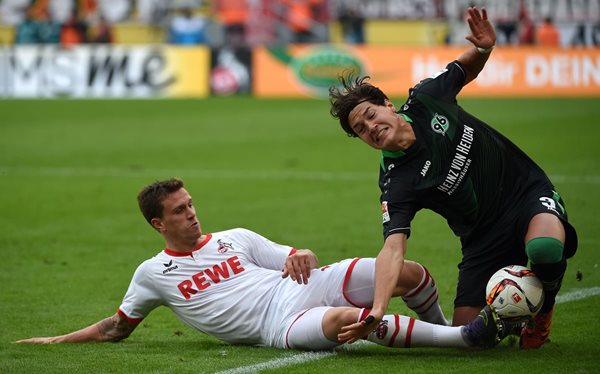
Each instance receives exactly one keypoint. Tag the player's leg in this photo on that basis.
(415, 285)
(482, 257)
(549, 240)
(318, 328)
(421, 295)
(399, 331)
(464, 314)
(544, 244)
(470, 291)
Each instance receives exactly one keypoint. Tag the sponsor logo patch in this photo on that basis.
(425, 167)
(384, 212)
(516, 297)
(169, 267)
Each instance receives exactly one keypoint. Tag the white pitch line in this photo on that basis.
(583, 293)
(279, 362)
(134, 172)
(301, 358)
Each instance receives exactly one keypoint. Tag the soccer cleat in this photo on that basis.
(537, 331)
(511, 327)
(486, 330)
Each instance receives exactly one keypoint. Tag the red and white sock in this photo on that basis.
(404, 332)
(423, 300)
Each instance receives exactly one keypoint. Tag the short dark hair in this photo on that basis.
(353, 91)
(151, 197)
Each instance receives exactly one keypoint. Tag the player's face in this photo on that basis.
(179, 219)
(377, 125)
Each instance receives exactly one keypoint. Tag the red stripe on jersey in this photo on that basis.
(171, 252)
(288, 330)
(346, 279)
(411, 324)
(396, 331)
(293, 251)
(133, 321)
(421, 286)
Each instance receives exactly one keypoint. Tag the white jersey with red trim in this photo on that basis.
(224, 288)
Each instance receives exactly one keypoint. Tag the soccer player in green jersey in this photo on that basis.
(437, 156)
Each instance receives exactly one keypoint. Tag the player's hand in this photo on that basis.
(358, 330)
(44, 340)
(482, 30)
(299, 265)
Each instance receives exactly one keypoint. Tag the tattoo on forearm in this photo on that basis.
(113, 328)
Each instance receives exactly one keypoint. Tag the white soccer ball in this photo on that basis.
(515, 292)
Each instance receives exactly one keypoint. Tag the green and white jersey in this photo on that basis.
(459, 167)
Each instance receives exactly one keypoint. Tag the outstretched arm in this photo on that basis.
(483, 38)
(113, 329)
(388, 266)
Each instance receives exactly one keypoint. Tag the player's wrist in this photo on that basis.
(368, 320)
(57, 339)
(371, 318)
(485, 51)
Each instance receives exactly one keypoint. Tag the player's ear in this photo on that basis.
(390, 105)
(157, 223)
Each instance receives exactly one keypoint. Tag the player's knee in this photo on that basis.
(349, 316)
(411, 276)
(544, 250)
(341, 316)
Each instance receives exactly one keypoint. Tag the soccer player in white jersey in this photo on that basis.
(234, 286)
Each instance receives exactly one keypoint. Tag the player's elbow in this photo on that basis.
(121, 331)
(114, 329)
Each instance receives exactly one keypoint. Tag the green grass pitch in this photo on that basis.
(71, 235)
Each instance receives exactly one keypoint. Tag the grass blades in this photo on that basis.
(71, 234)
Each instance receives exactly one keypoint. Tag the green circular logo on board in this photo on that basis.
(320, 68)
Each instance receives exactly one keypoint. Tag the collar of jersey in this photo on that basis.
(396, 154)
(171, 252)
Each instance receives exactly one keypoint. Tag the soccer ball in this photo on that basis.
(515, 292)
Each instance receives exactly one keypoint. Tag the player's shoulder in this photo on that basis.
(153, 261)
(148, 267)
(238, 235)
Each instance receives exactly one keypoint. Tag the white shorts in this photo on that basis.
(346, 283)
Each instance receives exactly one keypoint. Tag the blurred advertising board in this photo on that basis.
(300, 71)
(104, 71)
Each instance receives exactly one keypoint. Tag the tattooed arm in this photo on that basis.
(113, 329)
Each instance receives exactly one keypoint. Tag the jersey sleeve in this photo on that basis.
(399, 207)
(141, 297)
(444, 85)
(264, 252)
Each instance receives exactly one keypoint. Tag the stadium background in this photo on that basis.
(398, 43)
(247, 127)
